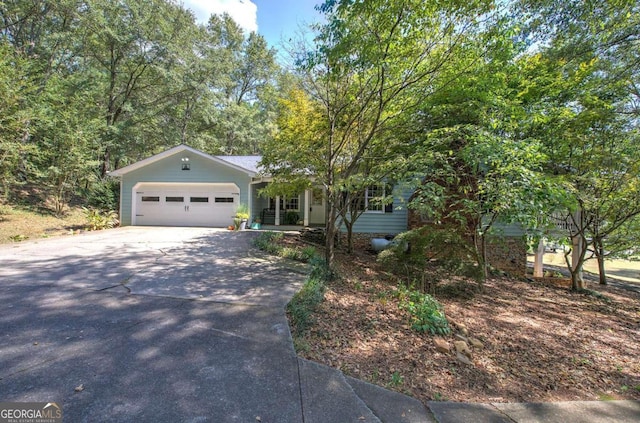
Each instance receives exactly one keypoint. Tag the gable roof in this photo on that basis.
(246, 164)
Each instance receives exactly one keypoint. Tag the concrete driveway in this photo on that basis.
(205, 337)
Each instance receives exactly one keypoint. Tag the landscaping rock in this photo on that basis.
(461, 328)
(476, 343)
(462, 348)
(441, 345)
(461, 338)
(464, 359)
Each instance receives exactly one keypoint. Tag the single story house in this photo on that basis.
(183, 186)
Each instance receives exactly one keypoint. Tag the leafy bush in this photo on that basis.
(426, 313)
(305, 302)
(268, 241)
(307, 253)
(291, 218)
(104, 195)
(413, 252)
(98, 220)
(301, 307)
(242, 212)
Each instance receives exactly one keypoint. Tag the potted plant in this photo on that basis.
(241, 217)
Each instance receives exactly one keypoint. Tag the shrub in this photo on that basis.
(104, 195)
(426, 313)
(291, 218)
(413, 252)
(98, 220)
(305, 302)
(242, 212)
(308, 253)
(268, 242)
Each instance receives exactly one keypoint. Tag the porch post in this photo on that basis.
(307, 204)
(277, 210)
(249, 204)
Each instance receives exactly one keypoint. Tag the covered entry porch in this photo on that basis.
(304, 209)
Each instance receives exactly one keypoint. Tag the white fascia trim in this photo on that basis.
(173, 151)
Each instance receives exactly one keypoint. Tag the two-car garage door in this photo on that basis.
(185, 204)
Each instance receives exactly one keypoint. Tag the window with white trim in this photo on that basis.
(286, 204)
(374, 197)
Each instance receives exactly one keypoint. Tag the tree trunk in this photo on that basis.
(349, 226)
(330, 230)
(480, 253)
(538, 267)
(577, 282)
(578, 253)
(599, 251)
(104, 166)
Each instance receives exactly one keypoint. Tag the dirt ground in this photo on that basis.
(539, 342)
(19, 224)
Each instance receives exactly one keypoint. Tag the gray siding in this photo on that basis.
(385, 223)
(503, 229)
(169, 169)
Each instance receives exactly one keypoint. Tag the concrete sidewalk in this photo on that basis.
(553, 412)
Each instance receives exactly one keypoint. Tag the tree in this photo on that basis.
(14, 114)
(66, 132)
(361, 76)
(466, 159)
(130, 47)
(583, 80)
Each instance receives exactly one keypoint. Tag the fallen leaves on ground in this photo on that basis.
(540, 343)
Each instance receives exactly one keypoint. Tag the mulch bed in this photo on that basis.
(540, 342)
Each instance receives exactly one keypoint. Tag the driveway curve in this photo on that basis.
(149, 324)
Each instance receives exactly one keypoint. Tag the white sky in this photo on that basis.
(244, 12)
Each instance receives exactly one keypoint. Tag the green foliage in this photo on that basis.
(371, 63)
(305, 302)
(104, 195)
(396, 379)
(98, 220)
(425, 312)
(242, 212)
(18, 238)
(269, 242)
(291, 218)
(414, 252)
(86, 88)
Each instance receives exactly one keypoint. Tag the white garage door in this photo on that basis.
(185, 204)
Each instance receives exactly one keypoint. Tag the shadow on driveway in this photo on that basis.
(163, 355)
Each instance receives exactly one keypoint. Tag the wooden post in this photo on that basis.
(307, 205)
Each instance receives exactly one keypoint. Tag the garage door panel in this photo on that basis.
(186, 204)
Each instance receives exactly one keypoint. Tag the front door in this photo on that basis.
(317, 207)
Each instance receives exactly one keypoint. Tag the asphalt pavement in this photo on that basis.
(189, 325)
